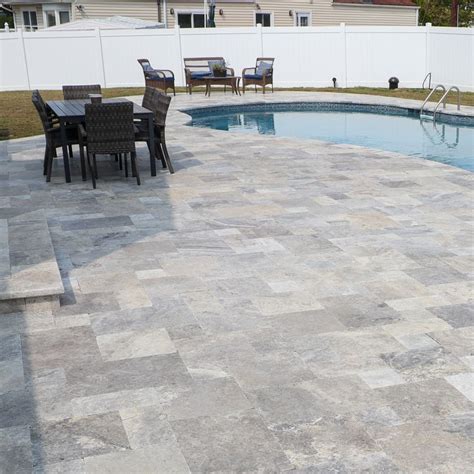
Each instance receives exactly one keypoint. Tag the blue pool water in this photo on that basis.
(442, 142)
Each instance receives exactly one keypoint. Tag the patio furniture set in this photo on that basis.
(113, 126)
(103, 127)
(209, 71)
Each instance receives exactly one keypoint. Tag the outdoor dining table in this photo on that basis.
(73, 111)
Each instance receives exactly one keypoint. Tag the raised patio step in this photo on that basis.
(28, 267)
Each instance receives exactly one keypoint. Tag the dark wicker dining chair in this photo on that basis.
(109, 130)
(159, 104)
(80, 91)
(52, 134)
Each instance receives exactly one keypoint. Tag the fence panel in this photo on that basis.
(354, 55)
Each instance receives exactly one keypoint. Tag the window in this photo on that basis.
(264, 19)
(191, 20)
(50, 18)
(30, 20)
(64, 17)
(303, 19)
(55, 15)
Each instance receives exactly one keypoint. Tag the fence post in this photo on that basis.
(260, 39)
(427, 48)
(177, 32)
(344, 54)
(101, 57)
(23, 48)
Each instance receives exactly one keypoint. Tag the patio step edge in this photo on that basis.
(28, 267)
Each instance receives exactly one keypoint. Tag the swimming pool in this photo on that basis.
(386, 128)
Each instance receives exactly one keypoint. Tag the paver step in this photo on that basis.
(28, 267)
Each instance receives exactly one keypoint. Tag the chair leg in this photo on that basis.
(91, 169)
(159, 154)
(45, 161)
(133, 160)
(83, 163)
(94, 160)
(174, 90)
(70, 151)
(165, 152)
(120, 162)
(126, 164)
(49, 165)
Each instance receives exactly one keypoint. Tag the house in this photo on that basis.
(35, 14)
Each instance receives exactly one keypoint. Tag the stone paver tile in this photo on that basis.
(301, 323)
(77, 438)
(421, 446)
(420, 364)
(460, 315)
(11, 375)
(160, 459)
(122, 399)
(464, 383)
(381, 378)
(217, 397)
(126, 345)
(147, 426)
(233, 443)
(325, 440)
(85, 380)
(417, 341)
(421, 401)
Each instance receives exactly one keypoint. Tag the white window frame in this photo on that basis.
(192, 13)
(56, 8)
(29, 10)
(298, 13)
(259, 12)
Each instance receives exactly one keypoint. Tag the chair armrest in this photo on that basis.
(166, 71)
(231, 70)
(244, 71)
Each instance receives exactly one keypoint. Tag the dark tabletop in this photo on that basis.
(74, 110)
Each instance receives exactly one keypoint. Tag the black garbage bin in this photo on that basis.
(393, 83)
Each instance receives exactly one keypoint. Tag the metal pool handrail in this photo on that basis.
(438, 86)
(424, 80)
(443, 99)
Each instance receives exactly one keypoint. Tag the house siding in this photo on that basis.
(18, 14)
(145, 9)
(323, 12)
(235, 14)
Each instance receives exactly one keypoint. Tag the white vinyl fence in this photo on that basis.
(311, 57)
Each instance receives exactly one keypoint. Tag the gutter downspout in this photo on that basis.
(165, 13)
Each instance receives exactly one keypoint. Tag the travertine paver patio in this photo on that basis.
(274, 305)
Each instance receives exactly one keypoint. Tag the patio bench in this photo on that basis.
(198, 70)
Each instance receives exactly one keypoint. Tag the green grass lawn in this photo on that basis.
(18, 117)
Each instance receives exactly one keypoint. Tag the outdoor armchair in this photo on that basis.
(158, 78)
(260, 75)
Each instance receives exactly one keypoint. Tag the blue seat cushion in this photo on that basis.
(253, 76)
(200, 74)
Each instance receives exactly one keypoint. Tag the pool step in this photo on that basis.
(29, 273)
